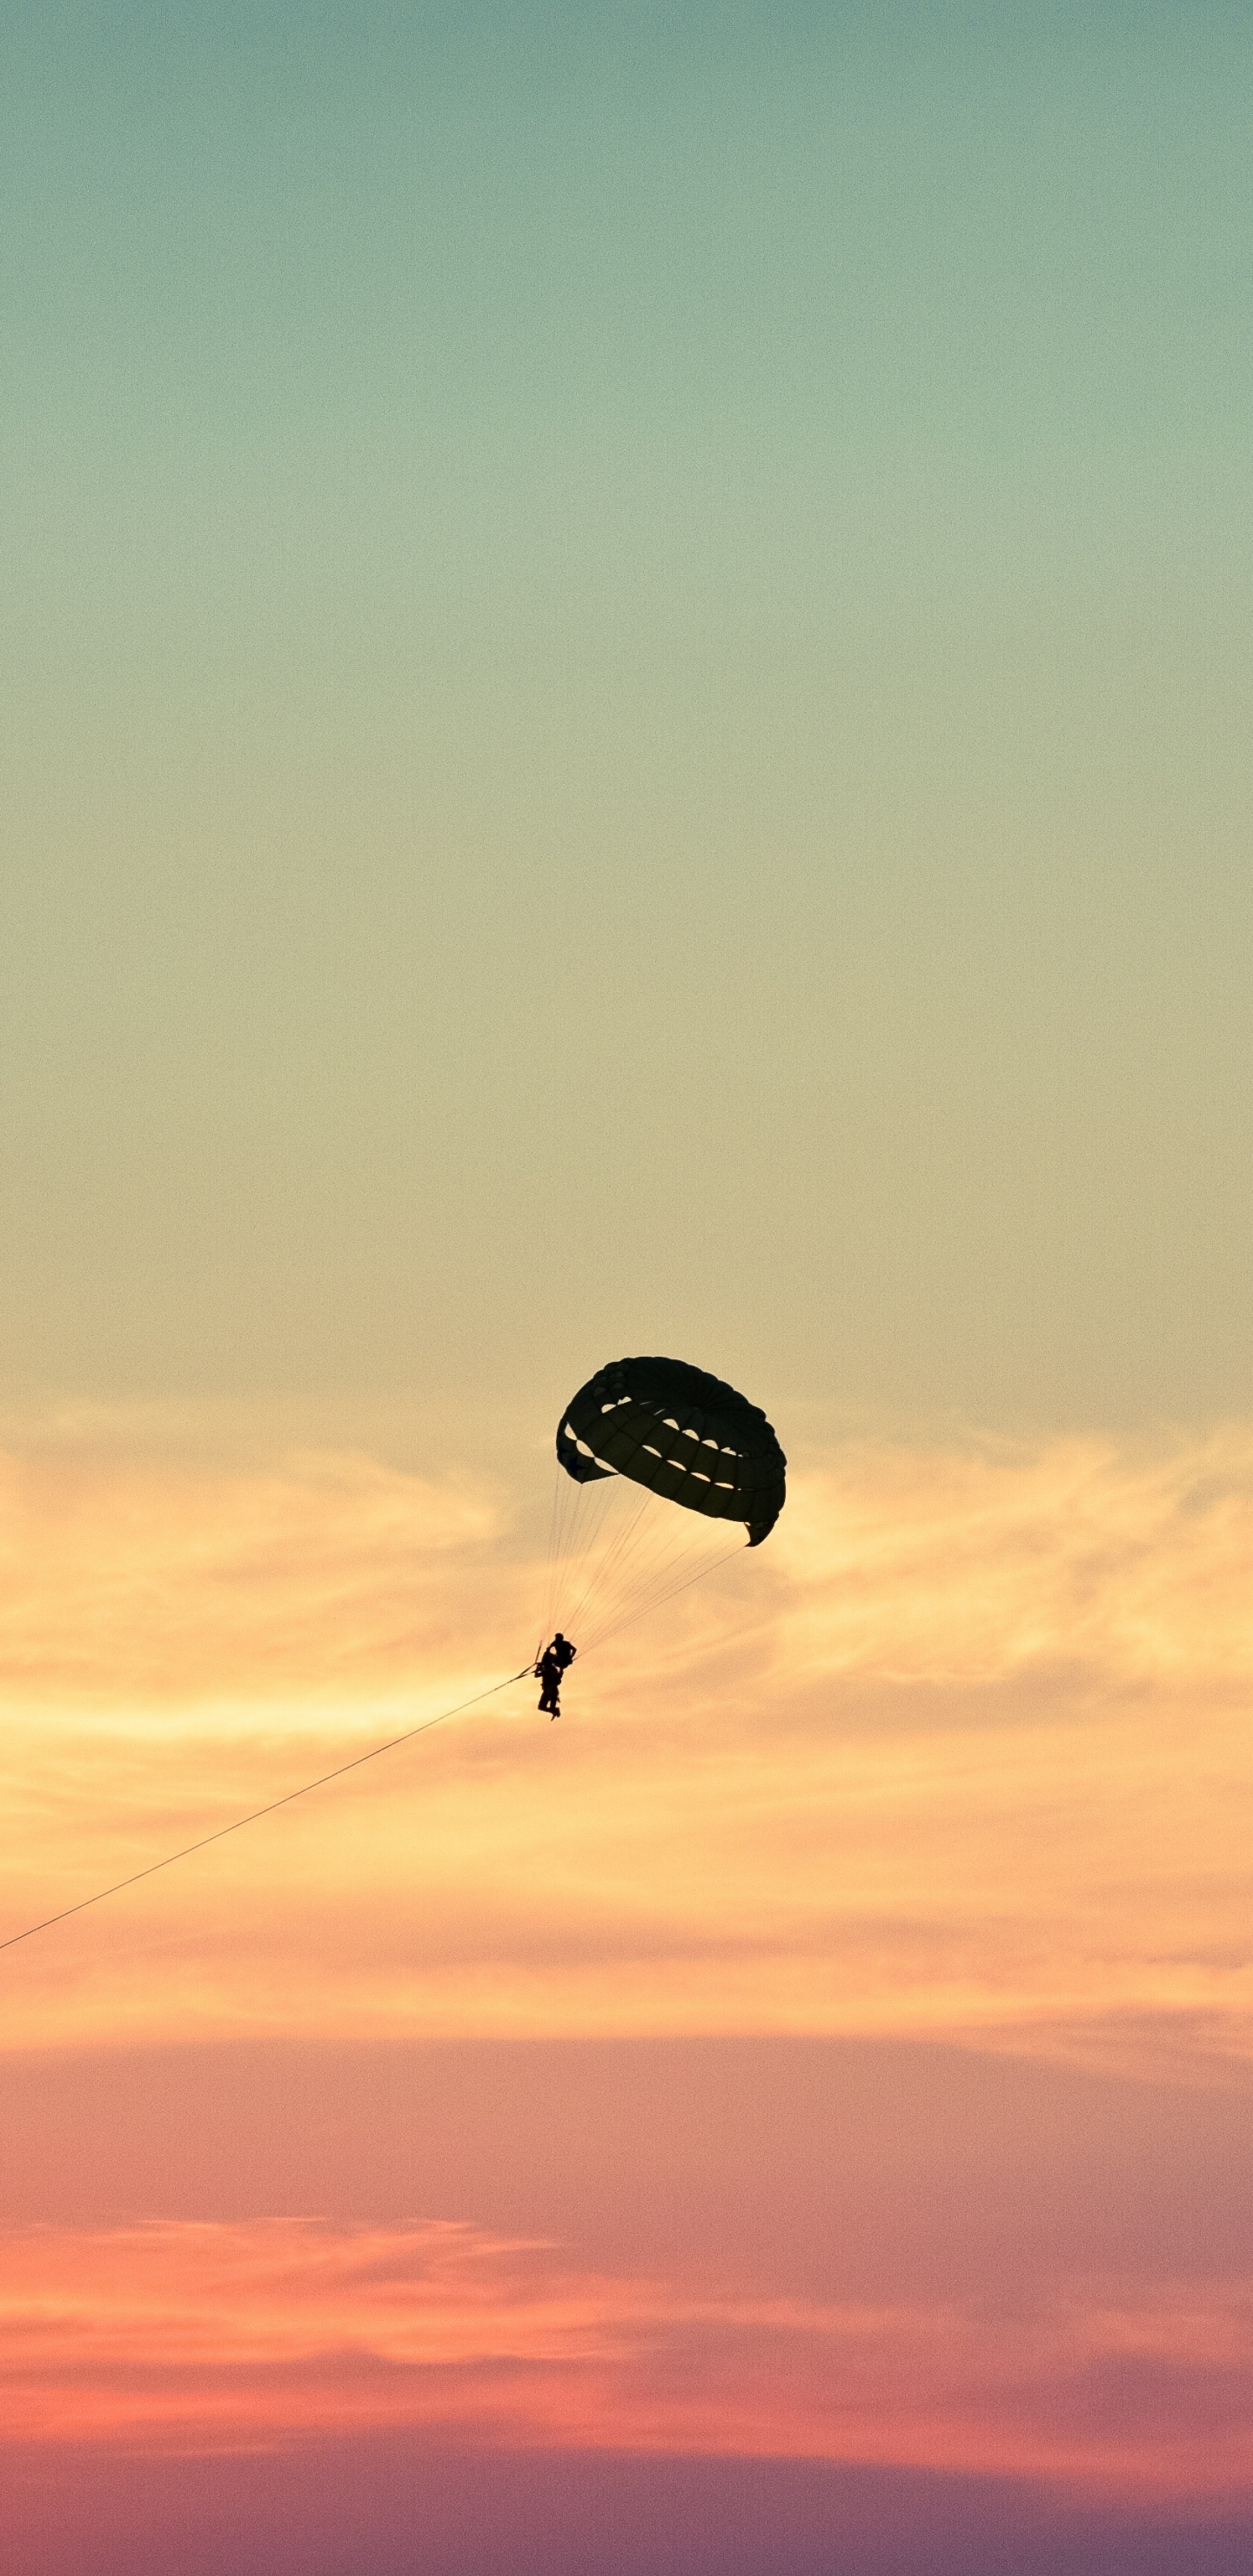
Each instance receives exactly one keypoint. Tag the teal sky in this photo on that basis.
(627, 671)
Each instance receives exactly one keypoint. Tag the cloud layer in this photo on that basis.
(220, 2337)
(964, 1750)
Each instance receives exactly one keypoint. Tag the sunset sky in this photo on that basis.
(626, 647)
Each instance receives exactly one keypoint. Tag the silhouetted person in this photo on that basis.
(551, 1669)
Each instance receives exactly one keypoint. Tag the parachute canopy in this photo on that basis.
(682, 1434)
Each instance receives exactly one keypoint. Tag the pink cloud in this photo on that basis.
(233, 2337)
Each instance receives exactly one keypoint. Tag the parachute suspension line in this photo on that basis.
(656, 1547)
(556, 1537)
(561, 1513)
(623, 1535)
(641, 1610)
(620, 1573)
(617, 1546)
(580, 1513)
(652, 1551)
(389, 1745)
(671, 1573)
(553, 1519)
(586, 1516)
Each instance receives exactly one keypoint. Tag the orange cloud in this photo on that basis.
(976, 1565)
(165, 1582)
(204, 2337)
(965, 1750)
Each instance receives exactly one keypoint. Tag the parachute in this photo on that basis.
(654, 1433)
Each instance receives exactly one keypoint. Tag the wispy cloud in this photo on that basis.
(974, 1566)
(209, 2336)
(965, 1749)
(155, 1583)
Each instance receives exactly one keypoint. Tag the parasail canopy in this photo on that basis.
(682, 1434)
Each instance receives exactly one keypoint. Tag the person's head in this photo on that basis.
(559, 1640)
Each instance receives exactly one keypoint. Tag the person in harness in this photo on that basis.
(551, 1670)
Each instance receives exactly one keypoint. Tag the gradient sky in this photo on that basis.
(626, 655)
